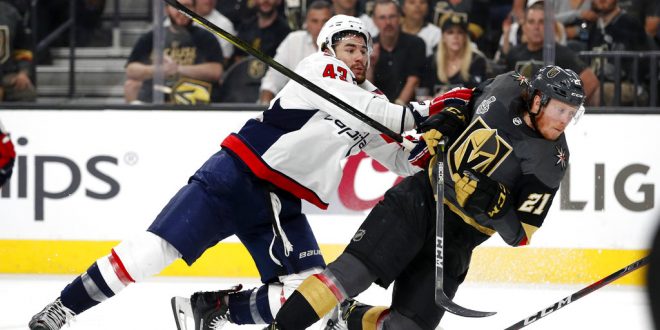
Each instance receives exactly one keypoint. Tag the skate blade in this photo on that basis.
(182, 312)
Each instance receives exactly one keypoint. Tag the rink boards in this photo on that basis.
(86, 179)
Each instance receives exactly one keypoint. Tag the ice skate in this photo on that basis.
(52, 317)
(207, 308)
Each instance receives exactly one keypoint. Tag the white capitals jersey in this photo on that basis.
(299, 142)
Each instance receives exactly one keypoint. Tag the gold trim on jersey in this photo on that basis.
(478, 148)
(529, 230)
(469, 220)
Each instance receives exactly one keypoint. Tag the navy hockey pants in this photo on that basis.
(224, 198)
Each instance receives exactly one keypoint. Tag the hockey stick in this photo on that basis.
(409, 145)
(591, 288)
(441, 298)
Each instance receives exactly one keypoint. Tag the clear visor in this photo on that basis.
(578, 114)
(359, 42)
(565, 111)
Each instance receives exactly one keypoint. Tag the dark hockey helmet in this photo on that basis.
(553, 82)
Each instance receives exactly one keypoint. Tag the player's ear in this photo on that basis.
(536, 104)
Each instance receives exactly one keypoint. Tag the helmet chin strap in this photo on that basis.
(532, 116)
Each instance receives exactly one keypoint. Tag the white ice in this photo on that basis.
(145, 305)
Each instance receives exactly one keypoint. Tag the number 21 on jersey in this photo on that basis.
(535, 203)
(335, 72)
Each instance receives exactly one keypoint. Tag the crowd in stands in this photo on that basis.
(421, 47)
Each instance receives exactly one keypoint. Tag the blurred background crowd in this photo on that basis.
(144, 52)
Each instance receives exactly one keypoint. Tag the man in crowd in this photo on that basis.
(528, 57)
(296, 46)
(192, 60)
(15, 57)
(265, 31)
(399, 58)
(206, 8)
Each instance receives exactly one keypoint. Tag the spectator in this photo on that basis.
(576, 16)
(192, 60)
(345, 7)
(512, 33)
(206, 8)
(265, 31)
(237, 11)
(15, 57)
(398, 57)
(350, 8)
(414, 15)
(487, 17)
(617, 30)
(296, 46)
(527, 57)
(456, 62)
(647, 13)
(442, 7)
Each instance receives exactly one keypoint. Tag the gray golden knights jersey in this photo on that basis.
(498, 143)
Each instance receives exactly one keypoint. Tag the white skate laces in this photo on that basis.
(52, 317)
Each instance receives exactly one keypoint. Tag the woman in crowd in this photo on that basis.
(456, 62)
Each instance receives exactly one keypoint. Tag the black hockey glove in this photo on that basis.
(7, 156)
(479, 194)
(449, 122)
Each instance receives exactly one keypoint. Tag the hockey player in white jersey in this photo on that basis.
(253, 187)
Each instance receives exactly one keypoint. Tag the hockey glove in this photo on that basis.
(458, 97)
(479, 194)
(7, 156)
(450, 122)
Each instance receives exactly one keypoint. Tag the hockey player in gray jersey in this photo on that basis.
(254, 186)
(503, 168)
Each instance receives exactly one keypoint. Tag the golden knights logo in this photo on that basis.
(191, 91)
(478, 148)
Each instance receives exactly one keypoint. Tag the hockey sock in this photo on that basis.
(250, 306)
(132, 260)
(314, 298)
(106, 277)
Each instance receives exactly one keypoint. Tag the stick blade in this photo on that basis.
(447, 304)
(182, 310)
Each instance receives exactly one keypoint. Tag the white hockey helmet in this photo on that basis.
(342, 23)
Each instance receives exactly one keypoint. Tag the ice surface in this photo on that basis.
(145, 305)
